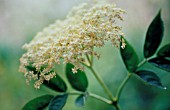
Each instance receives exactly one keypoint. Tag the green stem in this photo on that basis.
(105, 88)
(92, 56)
(120, 88)
(114, 100)
(117, 107)
(114, 103)
(142, 62)
(102, 84)
(90, 61)
(91, 95)
(99, 79)
(119, 91)
(100, 98)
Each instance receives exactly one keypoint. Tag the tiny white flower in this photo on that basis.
(69, 40)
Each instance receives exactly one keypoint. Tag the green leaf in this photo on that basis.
(150, 78)
(38, 103)
(154, 36)
(77, 80)
(58, 102)
(129, 57)
(80, 101)
(164, 51)
(56, 84)
(161, 62)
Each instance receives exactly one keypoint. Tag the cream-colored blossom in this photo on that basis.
(86, 26)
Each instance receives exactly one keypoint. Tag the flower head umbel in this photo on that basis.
(86, 26)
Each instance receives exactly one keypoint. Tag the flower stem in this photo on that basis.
(102, 84)
(91, 95)
(122, 86)
(99, 79)
(100, 98)
(90, 61)
(142, 62)
(117, 107)
(92, 56)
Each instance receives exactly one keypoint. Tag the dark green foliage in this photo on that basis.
(80, 101)
(38, 103)
(58, 102)
(77, 80)
(154, 36)
(129, 57)
(56, 84)
(161, 62)
(164, 51)
(150, 78)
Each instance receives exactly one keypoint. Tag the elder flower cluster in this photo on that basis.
(70, 40)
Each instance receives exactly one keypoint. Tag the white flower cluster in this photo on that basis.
(86, 26)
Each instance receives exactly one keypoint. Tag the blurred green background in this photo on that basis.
(20, 20)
